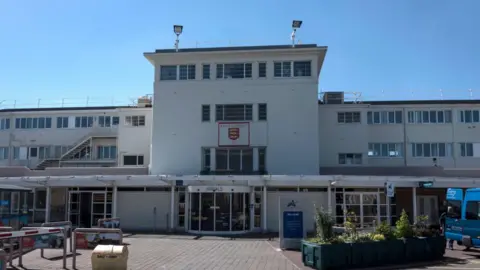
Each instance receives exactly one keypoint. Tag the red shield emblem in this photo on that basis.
(233, 133)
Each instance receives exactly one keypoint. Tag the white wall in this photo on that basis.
(134, 140)
(290, 134)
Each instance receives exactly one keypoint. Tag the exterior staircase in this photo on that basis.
(49, 162)
(81, 151)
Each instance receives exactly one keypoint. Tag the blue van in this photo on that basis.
(462, 222)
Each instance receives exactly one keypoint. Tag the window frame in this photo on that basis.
(385, 117)
(353, 114)
(5, 124)
(291, 73)
(262, 116)
(204, 116)
(343, 157)
(247, 111)
(189, 68)
(260, 73)
(217, 65)
(385, 148)
(138, 157)
(416, 117)
(209, 71)
(130, 121)
(169, 66)
(434, 150)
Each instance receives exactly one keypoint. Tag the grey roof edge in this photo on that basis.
(410, 102)
(238, 48)
(52, 109)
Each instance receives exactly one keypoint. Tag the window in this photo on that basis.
(235, 160)
(262, 159)
(62, 122)
(300, 69)
(83, 121)
(206, 157)
(168, 73)
(132, 160)
(456, 207)
(262, 112)
(384, 117)
(33, 152)
(233, 112)
(187, 72)
(385, 149)
(107, 152)
(430, 117)
(3, 153)
(206, 71)
(60, 150)
(472, 210)
(431, 149)
(262, 70)
(205, 113)
(282, 69)
(104, 121)
(115, 120)
(350, 159)
(44, 152)
(467, 150)
(469, 116)
(135, 120)
(348, 117)
(4, 123)
(33, 123)
(234, 71)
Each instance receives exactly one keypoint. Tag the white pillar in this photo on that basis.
(329, 197)
(48, 204)
(252, 208)
(264, 206)
(114, 202)
(172, 208)
(414, 197)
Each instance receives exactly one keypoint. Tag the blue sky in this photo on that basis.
(383, 48)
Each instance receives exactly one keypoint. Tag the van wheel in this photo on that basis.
(459, 243)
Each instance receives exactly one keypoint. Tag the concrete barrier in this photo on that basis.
(106, 257)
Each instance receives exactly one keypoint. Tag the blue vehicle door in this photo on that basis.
(471, 215)
(453, 223)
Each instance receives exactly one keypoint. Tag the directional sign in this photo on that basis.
(390, 189)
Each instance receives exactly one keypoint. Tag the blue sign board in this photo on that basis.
(454, 194)
(4, 203)
(293, 224)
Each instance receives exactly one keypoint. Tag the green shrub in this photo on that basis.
(386, 230)
(403, 227)
(324, 223)
(377, 237)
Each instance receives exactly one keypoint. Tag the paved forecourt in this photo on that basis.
(181, 252)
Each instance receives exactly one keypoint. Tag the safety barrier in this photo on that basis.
(67, 226)
(30, 238)
(111, 223)
(89, 238)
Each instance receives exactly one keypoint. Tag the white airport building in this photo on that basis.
(226, 133)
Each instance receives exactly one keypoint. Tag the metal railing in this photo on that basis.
(67, 102)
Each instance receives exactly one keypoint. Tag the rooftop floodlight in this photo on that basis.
(295, 25)
(177, 29)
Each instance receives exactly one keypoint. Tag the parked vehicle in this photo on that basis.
(462, 222)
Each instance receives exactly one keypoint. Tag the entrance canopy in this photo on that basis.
(246, 180)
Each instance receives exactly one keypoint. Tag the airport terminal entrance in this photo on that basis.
(86, 207)
(219, 209)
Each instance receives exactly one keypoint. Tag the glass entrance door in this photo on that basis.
(219, 211)
(365, 207)
(99, 209)
(74, 208)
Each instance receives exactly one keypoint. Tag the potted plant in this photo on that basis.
(325, 250)
(414, 248)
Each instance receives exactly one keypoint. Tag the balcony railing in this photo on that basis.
(232, 172)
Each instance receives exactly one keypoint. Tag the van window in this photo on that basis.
(456, 209)
(472, 213)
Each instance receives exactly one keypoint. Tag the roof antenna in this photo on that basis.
(295, 25)
(177, 29)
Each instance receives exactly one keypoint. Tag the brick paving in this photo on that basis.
(181, 252)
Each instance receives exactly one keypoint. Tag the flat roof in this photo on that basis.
(86, 108)
(239, 48)
(410, 102)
